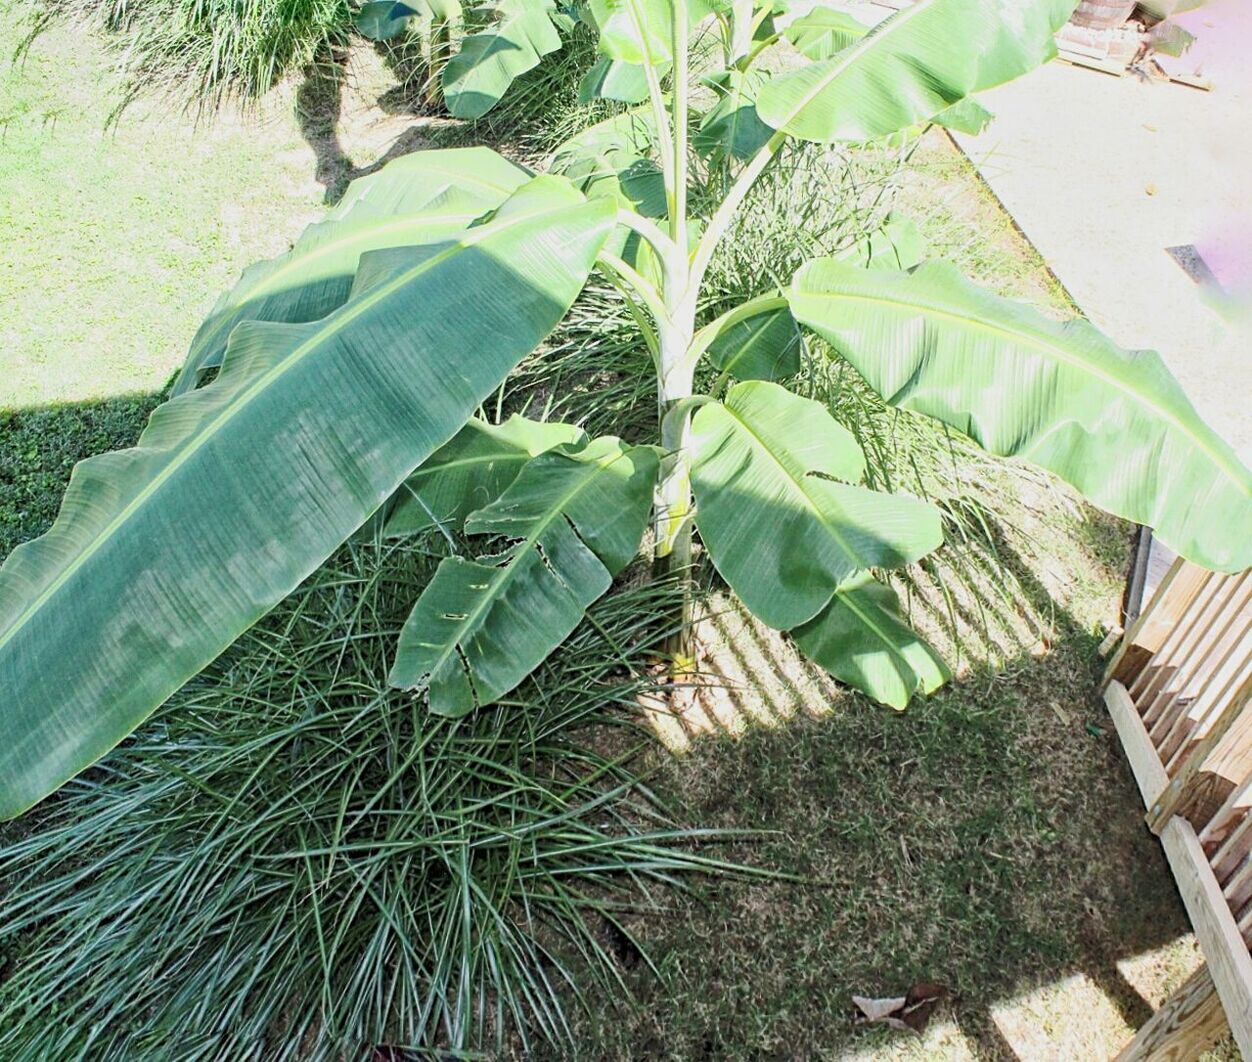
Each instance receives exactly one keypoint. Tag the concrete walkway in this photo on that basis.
(1104, 174)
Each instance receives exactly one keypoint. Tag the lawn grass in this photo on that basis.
(987, 839)
(39, 448)
(117, 241)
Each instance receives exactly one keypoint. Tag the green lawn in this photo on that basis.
(117, 241)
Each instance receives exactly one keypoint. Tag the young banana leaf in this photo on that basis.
(573, 519)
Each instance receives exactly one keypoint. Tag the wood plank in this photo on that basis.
(1215, 629)
(1189, 1023)
(1209, 772)
(1228, 821)
(1104, 66)
(1228, 856)
(1167, 660)
(1110, 642)
(1144, 763)
(1137, 592)
(1150, 629)
(1227, 956)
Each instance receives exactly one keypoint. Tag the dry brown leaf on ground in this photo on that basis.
(909, 1013)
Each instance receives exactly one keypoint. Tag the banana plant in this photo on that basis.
(470, 70)
(342, 384)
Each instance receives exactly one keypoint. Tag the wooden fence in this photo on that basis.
(1179, 688)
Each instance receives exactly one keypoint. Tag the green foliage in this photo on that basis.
(765, 346)
(311, 427)
(1059, 395)
(731, 128)
(824, 32)
(209, 53)
(861, 639)
(570, 520)
(765, 458)
(912, 68)
(417, 199)
(349, 405)
(39, 447)
(294, 859)
(488, 62)
(470, 471)
(614, 158)
(211, 50)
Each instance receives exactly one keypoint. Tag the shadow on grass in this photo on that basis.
(40, 445)
(319, 111)
(539, 110)
(319, 107)
(990, 839)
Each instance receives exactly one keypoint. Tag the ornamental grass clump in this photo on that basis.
(292, 859)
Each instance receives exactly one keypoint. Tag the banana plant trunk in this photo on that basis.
(673, 509)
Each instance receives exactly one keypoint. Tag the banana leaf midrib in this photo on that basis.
(1235, 470)
(424, 471)
(799, 485)
(850, 55)
(848, 601)
(506, 572)
(347, 314)
(298, 262)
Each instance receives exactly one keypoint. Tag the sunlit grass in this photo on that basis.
(117, 242)
(203, 53)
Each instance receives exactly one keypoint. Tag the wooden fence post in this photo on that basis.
(1189, 1023)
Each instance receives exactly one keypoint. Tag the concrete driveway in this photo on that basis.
(1105, 174)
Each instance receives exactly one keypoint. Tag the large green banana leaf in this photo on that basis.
(611, 79)
(417, 198)
(1113, 423)
(576, 518)
(164, 553)
(614, 158)
(778, 527)
(824, 32)
(861, 639)
(381, 20)
(478, 76)
(472, 470)
(911, 67)
(640, 31)
(731, 127)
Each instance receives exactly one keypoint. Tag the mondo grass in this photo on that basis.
(208, 51)
(292, 860)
